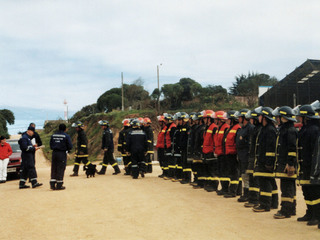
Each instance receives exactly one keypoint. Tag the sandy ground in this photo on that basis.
(118, 207)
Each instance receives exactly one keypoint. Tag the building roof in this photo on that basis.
(302, 86)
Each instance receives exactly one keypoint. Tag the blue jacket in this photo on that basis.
(26, 148)
(60, 141)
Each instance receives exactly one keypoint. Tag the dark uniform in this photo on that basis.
(198, 156)
(137, 145)
(81, 154)
(264, 166)
(60, 143)
(149, 133)
(175, 167)
(287, 156)
(307, 144)
(28, 169)
(183, 144)
(122, 147)
(190, 149)
(108, 147)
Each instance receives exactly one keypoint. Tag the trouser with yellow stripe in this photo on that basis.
(166, 161)
(288, 194)
(254, 189)
(78, 161)
(195, 167)
(178, 168)
(127, 163)
(233, 173)
(211, 171)
(149, 162)
(160, 156)
(138, 163)
(268, 193)
(186, 166)
(311, 195)
(224, 173)
(109, 159)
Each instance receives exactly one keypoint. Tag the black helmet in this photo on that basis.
(185, 116)
(267, 113)
(232, 114)
(135, 123)
(287, 113)
(308, 111)
(197, 116)
(275, 112)
(296, 110)
(192, 114)
(77, 124)
(248, 115)
(103, 123)
(176, 116)
(242, 113)
(255, 113)
(167, 116)
(316, 105)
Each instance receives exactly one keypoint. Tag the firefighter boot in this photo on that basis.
(116, 170)
(232, 191)
(22, 185)
(314, 220)
(60, 187)
(75, 171)
(102, 170)
(239, 189)
(53, 185)
(244, 197)
(307, 217)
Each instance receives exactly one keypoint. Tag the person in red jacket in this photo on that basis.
(219, 153)
(5, 152)
(230, 151)
(160, 143)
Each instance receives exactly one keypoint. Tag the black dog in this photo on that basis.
(90, 170)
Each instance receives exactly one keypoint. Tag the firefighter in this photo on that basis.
(149, 132)
(122, 146)
(243, 145)
(230, 151)
(209, 161)
(183, 145)
(169, 158)
(108, 148)
(198, 155)
(175, 167)
(254, 189)
(308, 136)
(28, 169)
(137, 145)
(286, 162)
(81, 152)
(264, 163)
(160, 144)
(60, 143)
(219, 153)
(191, 146)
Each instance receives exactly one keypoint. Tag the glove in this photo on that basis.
(290, 170)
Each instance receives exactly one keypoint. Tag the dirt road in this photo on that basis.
(118, 207)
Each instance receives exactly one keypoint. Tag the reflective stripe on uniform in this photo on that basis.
(105, 165)
(267, 194)
(187, 170)
(254, 189)
(294, 154)
(263, 174)
(274, 191)
(197, 161)
(287, 199)
(314, 202)
(114, 164)
(304, 182)
(150, 152)
(234, 182)
(224, 179)
(83, 145)
(285, 175)
(270, 154)
(76, 163)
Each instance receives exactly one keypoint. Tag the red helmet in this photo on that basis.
(146, 120)
(221, 115)
(160, 118)
(140, 119)
(126, 122)
(209, 113)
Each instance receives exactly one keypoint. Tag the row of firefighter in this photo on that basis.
(243, 152)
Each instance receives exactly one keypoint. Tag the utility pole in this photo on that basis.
(122, 106)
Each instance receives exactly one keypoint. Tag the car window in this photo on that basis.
(15, 146)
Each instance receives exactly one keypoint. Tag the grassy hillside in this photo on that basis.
(94, 131)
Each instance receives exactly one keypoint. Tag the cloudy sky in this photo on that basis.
(53, 50)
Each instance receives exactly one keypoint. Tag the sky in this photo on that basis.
(51, 50)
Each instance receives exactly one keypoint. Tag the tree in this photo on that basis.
(85, 111)
(172, 94)
(213, 94)
(6, 116)
(191, 89)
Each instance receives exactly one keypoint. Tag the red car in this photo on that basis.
(15, 158)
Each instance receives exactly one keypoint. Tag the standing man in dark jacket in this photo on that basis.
(81, 152)
(243, 142)
(28, 169)
(286, 162)
(36, 136)
(108, 148)
(264, 164)
(308, 136)
(60, 143)
(122, 146)
(183, 144)
(149, 133)
(137, 146)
